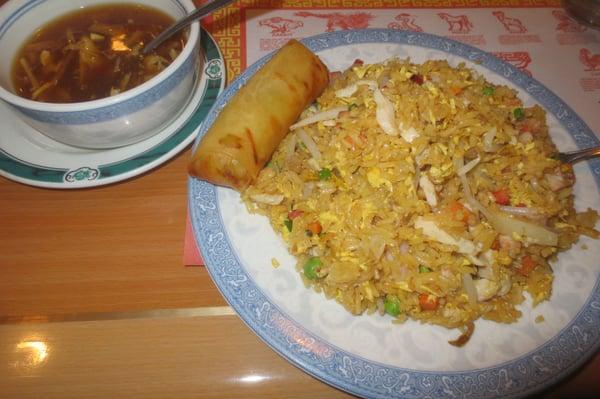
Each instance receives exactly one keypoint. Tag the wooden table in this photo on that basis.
(95, 302)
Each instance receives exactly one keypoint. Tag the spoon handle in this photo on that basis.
(200, 12)
(581, 155)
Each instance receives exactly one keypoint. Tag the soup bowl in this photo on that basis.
(110, 122)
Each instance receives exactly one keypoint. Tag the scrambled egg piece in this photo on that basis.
(376, 180)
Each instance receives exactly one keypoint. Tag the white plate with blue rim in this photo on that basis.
(368, 355)
(29, 157)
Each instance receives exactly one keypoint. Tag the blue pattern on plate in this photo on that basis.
(522, 376)
(111, 111)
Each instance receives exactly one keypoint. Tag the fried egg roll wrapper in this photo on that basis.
(253, 123)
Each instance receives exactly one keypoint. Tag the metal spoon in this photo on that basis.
(580, 155)
(200, 12)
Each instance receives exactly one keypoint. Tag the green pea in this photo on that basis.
(424, 269)
(488, 91)
(325, 174)
(312, 268)
(352, 106)
(274, 165)
(288, 223)
(518, 113)
(392, 305)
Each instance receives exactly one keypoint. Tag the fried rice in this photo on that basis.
(422, 191)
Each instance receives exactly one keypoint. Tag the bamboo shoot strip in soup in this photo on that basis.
(93, 53)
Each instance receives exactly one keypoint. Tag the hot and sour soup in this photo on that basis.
(93, 53)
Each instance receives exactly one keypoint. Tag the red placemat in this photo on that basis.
(191, 253)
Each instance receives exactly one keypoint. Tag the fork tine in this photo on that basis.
(580, 155)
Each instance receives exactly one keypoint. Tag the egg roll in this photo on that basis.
(252, 124)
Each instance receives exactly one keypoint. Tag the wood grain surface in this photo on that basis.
(112, 248)
(192, 357)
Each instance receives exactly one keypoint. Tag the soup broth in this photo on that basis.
(93, 53)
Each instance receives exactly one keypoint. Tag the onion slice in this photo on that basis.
(351, 89)
(530, 213)
(269, 199)
(311, 146)
(332, 113)
(429, 190)
(488, 140)
(467, 168)
(385, 116)
(290, 146)
(536, 234)
(458, 165)
(469, 287)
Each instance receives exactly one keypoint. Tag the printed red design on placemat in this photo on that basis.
(591, 61)
(281, 26)
(458, 23)
(590, 84)
(566, 23)
(519, 39)
(512, 25)
(473, 40)
(405, 22)
(274, 43)
(359, 20)
(519, 59)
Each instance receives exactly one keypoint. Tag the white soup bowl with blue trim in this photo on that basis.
(114, 121)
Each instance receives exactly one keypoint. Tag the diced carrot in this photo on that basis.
(348, 139)
(315, 227)
(456, 90)
(363, 137)
(527, 265)
(295, 213)
(458, 211)
(501, 196)
(428, 302)
(496, 244)
(358, 61)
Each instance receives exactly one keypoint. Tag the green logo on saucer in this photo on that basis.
(80, 174)
(213, 69)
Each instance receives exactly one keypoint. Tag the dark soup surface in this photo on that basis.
(93, 53)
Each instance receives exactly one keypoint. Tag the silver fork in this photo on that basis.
(580, 155)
